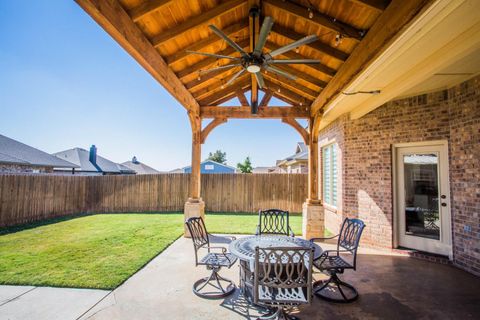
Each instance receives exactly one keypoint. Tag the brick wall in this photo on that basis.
(365, 146)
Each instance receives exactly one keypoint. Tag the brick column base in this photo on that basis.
(313, 221)
(193, 208)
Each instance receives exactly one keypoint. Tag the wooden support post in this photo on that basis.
(195, 207)
(313, 224)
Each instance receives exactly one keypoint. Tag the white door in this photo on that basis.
(422, 197)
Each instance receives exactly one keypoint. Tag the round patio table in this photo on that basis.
(244, 250)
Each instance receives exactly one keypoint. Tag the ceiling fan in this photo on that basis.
(257, 61)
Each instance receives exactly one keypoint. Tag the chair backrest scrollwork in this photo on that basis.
(349, 237)
(273, 221)
(199, 234)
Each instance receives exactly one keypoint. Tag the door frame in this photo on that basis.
(396, 214)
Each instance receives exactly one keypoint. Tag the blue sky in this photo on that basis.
(65, 83)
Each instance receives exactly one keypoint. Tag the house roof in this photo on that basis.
(203, 162)
(15, 152)
(139, 167)
(80, 157)
(301, 154)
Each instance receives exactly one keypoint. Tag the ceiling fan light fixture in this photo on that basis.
(253, 68)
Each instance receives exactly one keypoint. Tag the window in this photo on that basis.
(209, 167)
(329, 155)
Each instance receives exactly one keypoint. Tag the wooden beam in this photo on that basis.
(147, 7)
(197, 21)
(225, 98)
(317, 45)
(213, 38)
(378, 5)
(320, 19)
(254, 28)
(245, 112)
(216, 87)
(212, 125)
(397, 15)
(195, 175)
(115, 21)
(293, 96)
(292, 55)
(241, 97)
(214, 97)
(301, 130)
(306, 77)
(203, 64)
(292, 85)
(266, 98)
(313, 165)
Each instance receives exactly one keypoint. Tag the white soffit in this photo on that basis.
(445, 34)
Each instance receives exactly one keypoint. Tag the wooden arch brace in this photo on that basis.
(212, 125)
(294, 123)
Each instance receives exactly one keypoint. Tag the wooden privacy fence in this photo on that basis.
(26, 198)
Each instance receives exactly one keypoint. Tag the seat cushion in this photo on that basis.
(331, 262)
(218, 259)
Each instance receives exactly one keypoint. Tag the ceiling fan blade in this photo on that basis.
(295, 61)
(259, 78)
(227, 66)
(233, 44)
(293, 45)
(235, 76)
(219, 56)
(262, 37)
(281, 72)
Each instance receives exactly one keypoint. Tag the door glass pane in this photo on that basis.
(421, 195)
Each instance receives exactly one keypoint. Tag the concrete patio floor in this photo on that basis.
(390, 287)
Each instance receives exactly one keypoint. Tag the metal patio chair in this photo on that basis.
(213, 261)
(331, 262)
(282, 279)
(274, 221)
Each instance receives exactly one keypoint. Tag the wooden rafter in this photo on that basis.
(205, 63)
(292, 55)
(292, 85)
(317, 45)
(146, 8)
(393, 19)
(254, 28)
(215, 96)
(197, 21)
(241, 97)
(215, 87)
(378, 5)
(304, 76)
(113, 18)
(318, 18)
(292, 96)
(213, 38)
(245, 112)
(266, 98)
(212, 125)
(301, 130)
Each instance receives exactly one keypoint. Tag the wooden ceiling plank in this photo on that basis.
(241, 97)
(201, 65)
(266, 98)
(146, 8)
(396, 16)
(292, 55)
(318, 18)
(317, 45)
(293, 96)
(292, 85)
(217, 95)
(245, 112)
(378, 5)
(196, 21)
(191, 85)
(214, 87)
(306, 77)
(111, 16)
(213, 38)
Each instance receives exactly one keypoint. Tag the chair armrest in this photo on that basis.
(224, 250)
(291, 232)
(322, 238)
(257, 232)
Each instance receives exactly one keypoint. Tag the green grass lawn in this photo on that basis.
(99, 251)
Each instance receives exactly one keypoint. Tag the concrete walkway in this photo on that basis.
(391, 287)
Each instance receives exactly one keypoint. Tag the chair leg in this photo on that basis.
(214, 280)
(335, 290)
(278, 313)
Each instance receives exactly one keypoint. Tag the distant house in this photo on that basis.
(208, 166)
(138, 167)
(268, 170)
(16, 157)
(89, 163)
(296, 163)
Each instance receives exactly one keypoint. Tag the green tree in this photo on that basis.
(218, 156)
(246, 166)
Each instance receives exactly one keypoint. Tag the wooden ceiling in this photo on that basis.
(158, 32)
